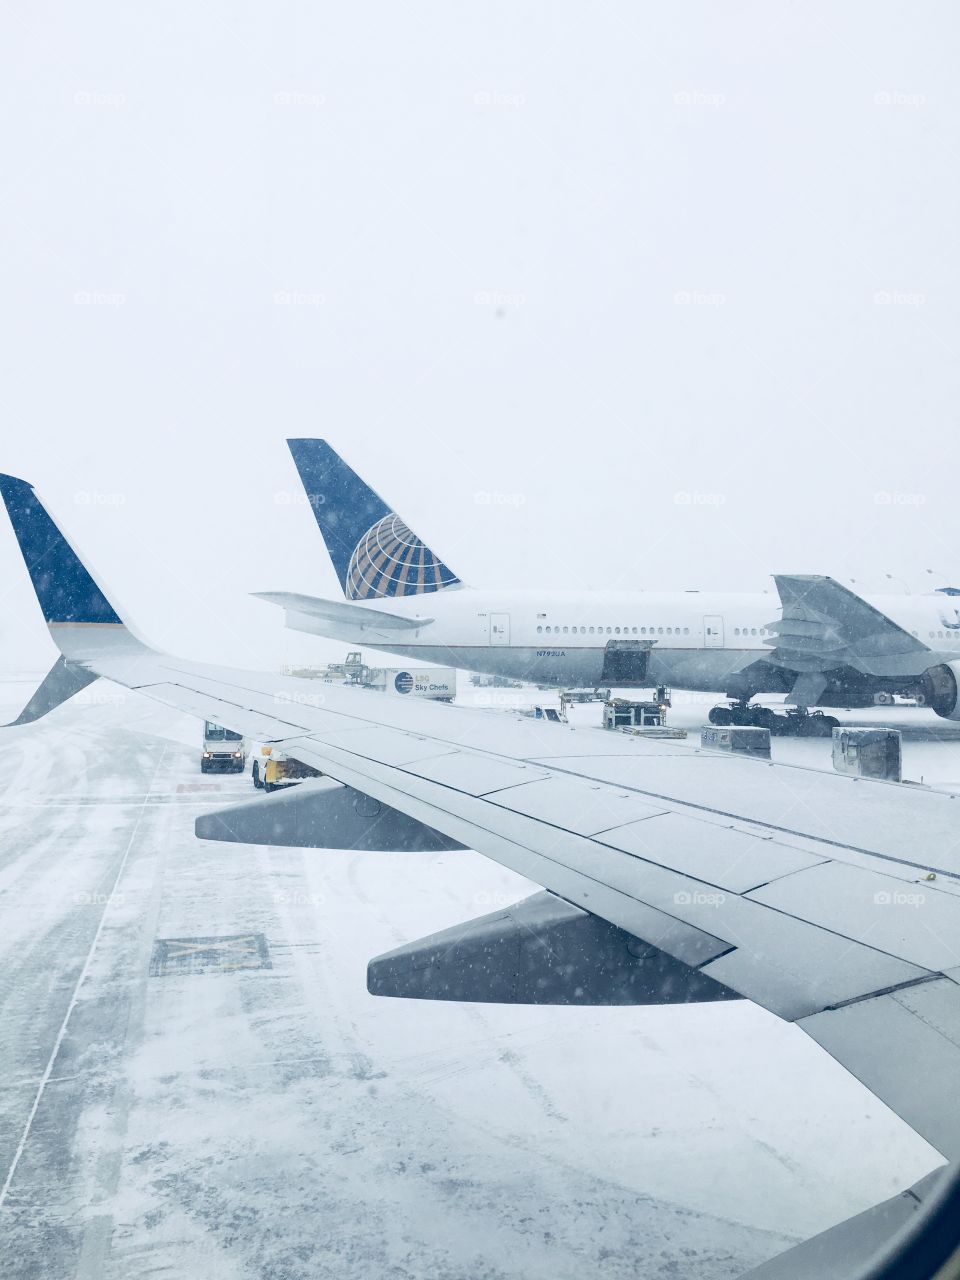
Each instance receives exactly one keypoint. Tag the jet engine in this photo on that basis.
(940, 688)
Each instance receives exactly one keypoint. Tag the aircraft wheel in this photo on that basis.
(721, 716)
(255, 773)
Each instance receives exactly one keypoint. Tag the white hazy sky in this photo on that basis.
(679, 281)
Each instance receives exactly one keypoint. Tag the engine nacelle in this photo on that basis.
(940, 689)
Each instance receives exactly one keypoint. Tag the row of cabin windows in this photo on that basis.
(614, 631)
(940, 635)
(750, 631)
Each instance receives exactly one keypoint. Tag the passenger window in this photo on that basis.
(539, 630)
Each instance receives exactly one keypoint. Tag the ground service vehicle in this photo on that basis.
(222, 749)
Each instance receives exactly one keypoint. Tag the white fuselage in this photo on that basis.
(694, 640)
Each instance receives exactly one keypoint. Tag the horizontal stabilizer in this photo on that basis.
(356, 616)
(542, 950)
(322, 814)
(61, 682)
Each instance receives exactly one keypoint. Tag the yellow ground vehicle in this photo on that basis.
(273, 769)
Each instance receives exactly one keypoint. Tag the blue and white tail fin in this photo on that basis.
(374, 553)
(82, 621)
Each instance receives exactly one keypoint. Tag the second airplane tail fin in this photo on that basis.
(374, 553)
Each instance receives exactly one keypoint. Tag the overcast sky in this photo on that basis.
(622, 294)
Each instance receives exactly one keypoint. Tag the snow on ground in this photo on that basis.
(280, 1122)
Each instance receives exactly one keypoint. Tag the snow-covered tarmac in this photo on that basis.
(278, 1122)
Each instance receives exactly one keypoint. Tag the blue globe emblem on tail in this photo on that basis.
(390, 560)
(403, 682)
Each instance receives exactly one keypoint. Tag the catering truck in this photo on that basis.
(222, 749)
(439, 683)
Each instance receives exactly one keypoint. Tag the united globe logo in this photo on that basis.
(390, 560)
(403, 682)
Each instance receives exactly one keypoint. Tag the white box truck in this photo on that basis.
(439, 683)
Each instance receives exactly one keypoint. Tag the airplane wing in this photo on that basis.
(355, 616)
(669, 873)
(825, 626)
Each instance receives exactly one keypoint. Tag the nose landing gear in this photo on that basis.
(795, 722)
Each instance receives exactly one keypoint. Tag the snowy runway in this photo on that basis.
(280, 1122)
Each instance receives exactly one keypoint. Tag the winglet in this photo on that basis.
(66, 591)
(374, 553)
(82, 622)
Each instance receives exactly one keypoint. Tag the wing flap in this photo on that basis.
(905, 1047)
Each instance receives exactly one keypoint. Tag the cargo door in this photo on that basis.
(712, 631)
(499, 628)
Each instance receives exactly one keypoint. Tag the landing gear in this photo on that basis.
(795, 722)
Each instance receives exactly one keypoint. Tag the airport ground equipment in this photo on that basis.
(577, 697)
(223, 749)
(793, 722)
(800, 894)
(556, 715)
(494, 682)
(620, 713)
(273, 769)
(868, 753)
(437, 683)
(750, 741)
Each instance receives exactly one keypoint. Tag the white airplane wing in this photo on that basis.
(669, 874)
